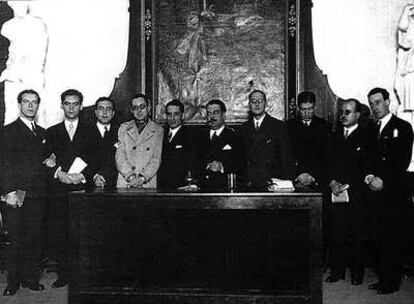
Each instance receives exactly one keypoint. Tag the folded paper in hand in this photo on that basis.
(21, 194)
(77, 166)
(280, 185)
(342, 197)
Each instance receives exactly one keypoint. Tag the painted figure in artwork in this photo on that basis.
(404, 78)
(27, 55)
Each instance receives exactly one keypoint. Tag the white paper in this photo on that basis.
(341, 198)
(77, 166)
(281, 185)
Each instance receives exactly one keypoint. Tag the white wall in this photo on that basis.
(355, 46)
(88, 41)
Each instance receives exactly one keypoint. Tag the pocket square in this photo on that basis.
(358, 149)
(178, 146)
(116, 145)
(44, 141)
(268, 141)
(226, 147)
(395, 133)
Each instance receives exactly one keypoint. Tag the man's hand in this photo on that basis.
(12, 200)
(135, 181)
(376, 184)
(99, 181)
(50, 162)
(305, 179)
(215, 166)
(336, 187)
(63, 177)
(75, 178)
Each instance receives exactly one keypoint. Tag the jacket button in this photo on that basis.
(134, 148)
(133, 168)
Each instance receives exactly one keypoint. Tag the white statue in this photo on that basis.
(404, 78)
(27, 55)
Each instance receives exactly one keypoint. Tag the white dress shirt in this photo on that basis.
(384, 121)
(258, 122)
(101, 128)
(218, 132)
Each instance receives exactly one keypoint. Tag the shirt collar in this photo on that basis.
(384, 121)
(218, 131)
(258, 121)
(350, 129)
(27, 122)
(101, 127)
(307, 122)
(174, 131)
(75, 124)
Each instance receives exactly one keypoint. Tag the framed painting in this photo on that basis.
(198, 50)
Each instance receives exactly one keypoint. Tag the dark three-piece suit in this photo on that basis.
(65, 150)
(350, 162)
(21, 168)
(266, 152)
(388, 206)
(177, 159)
(223, 148)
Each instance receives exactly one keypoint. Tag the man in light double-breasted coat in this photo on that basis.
(138, 155)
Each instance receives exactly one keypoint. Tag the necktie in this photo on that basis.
(378, 128)
(33, 128)
(214, 137)
(169, 136)
(106, 132)
(346, 134)
(256, 127)
(71, 130)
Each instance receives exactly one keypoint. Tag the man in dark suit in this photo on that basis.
(310, 138)
(104, 136)
(265, 145)
(390, 196)
(22, 153)
(67, 140)
(219, 148)
(350, 162)
(178, 149)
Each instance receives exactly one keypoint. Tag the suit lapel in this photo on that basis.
(387, 131)
(132, 132)
(177, 139)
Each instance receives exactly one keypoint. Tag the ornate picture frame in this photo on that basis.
(197, 50)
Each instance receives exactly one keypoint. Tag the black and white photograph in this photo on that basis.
(206, 151)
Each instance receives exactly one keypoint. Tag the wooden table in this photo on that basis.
(132, 246)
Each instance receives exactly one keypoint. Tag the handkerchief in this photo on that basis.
(227, 147)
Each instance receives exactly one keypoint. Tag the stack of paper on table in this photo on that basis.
(280, 185)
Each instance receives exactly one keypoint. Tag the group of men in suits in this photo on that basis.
(36, 175)
(258, 150)
(367, 169)
(369, 163)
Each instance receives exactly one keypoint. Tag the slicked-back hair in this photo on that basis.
(358, 107)
(306, 97)
(71, 92)
(384, 93)
(28, 91)
(140, 95)
(217, 102)
(105, 99)
(257, 91)
(177, 103)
